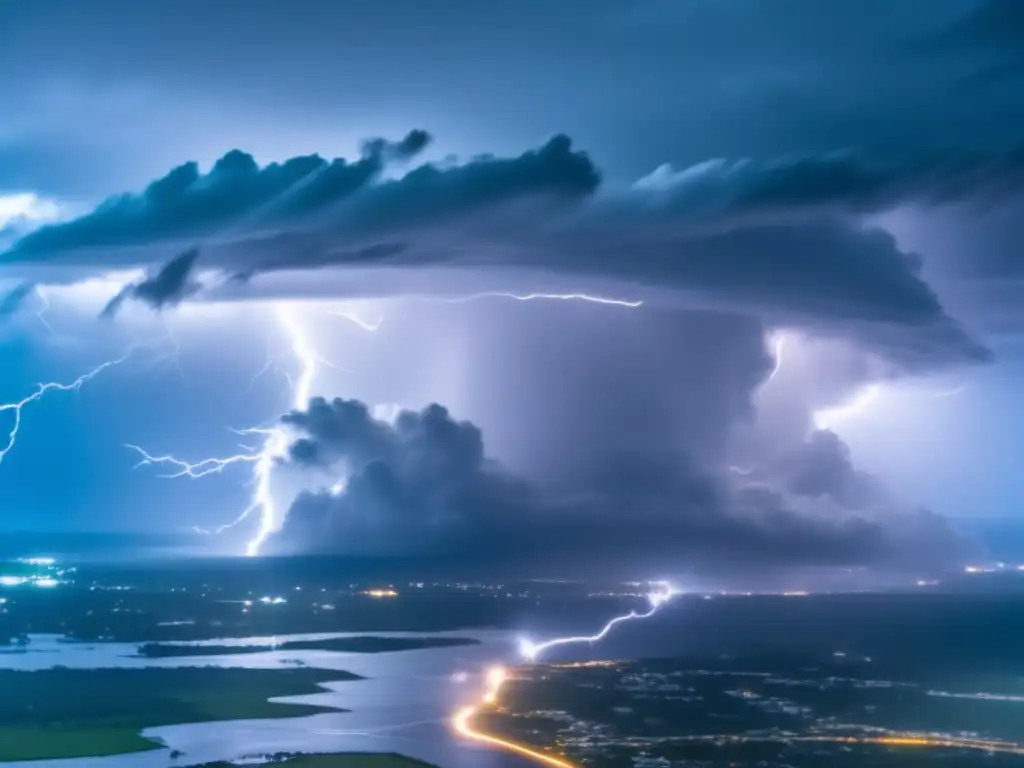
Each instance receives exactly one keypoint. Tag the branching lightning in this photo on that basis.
(17, 407)
(531, 651)
(534, 296)
(354, 318)
(262, 458)
(185, 469)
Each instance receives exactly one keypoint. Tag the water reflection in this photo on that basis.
(403, 706)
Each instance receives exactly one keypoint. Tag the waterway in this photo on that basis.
(404, 705)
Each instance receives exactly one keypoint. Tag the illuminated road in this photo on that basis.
(924, 740)
(891, 739)
(462, 722)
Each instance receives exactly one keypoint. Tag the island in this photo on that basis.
(63, 713)
(356, 644)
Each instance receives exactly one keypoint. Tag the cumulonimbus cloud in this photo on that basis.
(423, 486)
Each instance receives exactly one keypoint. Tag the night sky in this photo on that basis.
(674, 285)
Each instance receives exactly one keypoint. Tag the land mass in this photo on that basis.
(360, 644)
(63, 713)
(338, 761)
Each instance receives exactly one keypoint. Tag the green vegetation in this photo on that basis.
(361, 644)
(60, 713)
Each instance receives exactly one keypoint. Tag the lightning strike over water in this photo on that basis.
(533, 296)
(531, 651)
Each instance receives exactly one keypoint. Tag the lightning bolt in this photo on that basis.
(779, 344)
(263, 458)
(354, 318)
(18, 406)
(44, 307)
(531, 651)
(534, 296)
(826, 418)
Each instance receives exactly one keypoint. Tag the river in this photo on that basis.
(403, 705)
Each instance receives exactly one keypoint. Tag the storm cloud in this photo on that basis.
(784, 240)
(424, 486)
(170, 285)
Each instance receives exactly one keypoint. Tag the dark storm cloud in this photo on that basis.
(842, 181)
(990, 37)
(169, 286)
(820, 467)
(990, 26)
(777, 239)
(424, 486)
(187, 203)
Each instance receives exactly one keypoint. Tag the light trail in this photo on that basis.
(462, 723)
(531, 651)
(496, 677)
(534, 296)
(889, 739)
(53, 386)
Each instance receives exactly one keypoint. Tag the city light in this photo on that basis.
(462, 723)
(381, 593)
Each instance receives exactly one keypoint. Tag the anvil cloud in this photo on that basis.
(807, 211)
(781, 239)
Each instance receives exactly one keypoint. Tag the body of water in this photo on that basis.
(402, 706)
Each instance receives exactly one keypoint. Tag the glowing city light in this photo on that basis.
(463, 725)
(381, 593)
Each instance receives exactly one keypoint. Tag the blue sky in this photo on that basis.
(843, 177)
